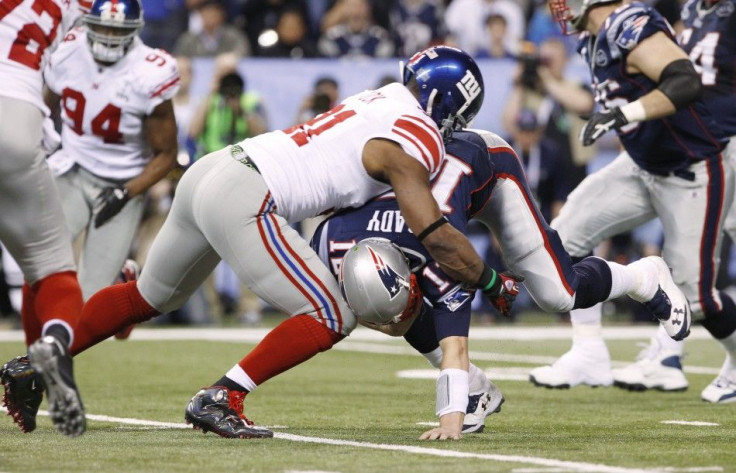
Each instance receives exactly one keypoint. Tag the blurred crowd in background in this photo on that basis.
(541, 116)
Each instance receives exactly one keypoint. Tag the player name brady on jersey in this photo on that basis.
(102, 107)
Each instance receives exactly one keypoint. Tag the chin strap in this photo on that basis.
(450, 124)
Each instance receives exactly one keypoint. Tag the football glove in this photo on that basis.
(601, 123)
(111, 201)
(504, 291)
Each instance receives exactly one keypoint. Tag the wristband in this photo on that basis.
(452, 391)
(487, 278)
(432, 227)
(634, 111)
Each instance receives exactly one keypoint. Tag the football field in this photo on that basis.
(362, 406)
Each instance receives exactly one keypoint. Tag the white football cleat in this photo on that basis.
(655, 368)
(722, 390)
(586, 363)
(481, 405)
(669, 304)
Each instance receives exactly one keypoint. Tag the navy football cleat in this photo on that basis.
(23, 392)
(219, 410)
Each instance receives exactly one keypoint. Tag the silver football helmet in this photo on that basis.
(377, 283)
(571, 14)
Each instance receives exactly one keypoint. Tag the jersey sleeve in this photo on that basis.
(632, 26)
(159, 80)
(420, 138)
(59, 61)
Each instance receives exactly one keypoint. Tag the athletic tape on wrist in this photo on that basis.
(634, 111)
(452, 391)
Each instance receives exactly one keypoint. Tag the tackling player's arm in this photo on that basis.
(385, 161)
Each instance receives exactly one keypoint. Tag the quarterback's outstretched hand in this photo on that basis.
(111, 201)
(503, 292)
(601, 123)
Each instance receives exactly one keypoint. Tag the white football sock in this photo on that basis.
(666, 342)
(434, 357)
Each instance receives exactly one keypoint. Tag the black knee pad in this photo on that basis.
(594, 282)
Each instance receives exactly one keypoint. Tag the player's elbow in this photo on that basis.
(680, 82)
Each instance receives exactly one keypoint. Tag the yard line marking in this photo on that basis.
(496, 374)
(694, 469)
(429, 424)
(687, 422)
(539, 470)
(546, 462)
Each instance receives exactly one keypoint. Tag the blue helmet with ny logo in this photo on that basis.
(111, 28)
(450, 85)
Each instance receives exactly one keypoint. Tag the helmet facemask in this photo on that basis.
(110, 34)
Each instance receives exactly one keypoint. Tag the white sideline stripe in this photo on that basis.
(476, 356)
(496, 374)
(365, 334)
(547, 462)
(687, 422)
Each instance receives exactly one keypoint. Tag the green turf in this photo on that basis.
(356, 396)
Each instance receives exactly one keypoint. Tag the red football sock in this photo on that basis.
(108, 311)
(28, 317)
(57, 296)
(293, 341)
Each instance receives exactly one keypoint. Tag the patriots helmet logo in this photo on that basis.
(390, 279)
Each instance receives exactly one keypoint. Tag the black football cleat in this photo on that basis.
(51, 359)
(219, 410)
(23, 392)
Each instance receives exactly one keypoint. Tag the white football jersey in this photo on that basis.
(29, 31)
(317, 166)
(102, 108)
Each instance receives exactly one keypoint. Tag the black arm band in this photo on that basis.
(432, 227)
(680, 83)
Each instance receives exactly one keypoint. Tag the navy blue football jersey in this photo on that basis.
(709, 38)
(462, 188)
(659, 146)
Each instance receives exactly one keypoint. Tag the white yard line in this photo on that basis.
(556, 465)
(696, 423)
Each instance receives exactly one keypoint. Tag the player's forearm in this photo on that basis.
(454, 253)
(156, 169)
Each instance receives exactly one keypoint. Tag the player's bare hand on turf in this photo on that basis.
(504, 291)
(600, 124)
(442, 433)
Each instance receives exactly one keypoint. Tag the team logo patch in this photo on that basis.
(600, 58)
(725, 9)
(630, 32)
(456, 298)
(390, 279)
